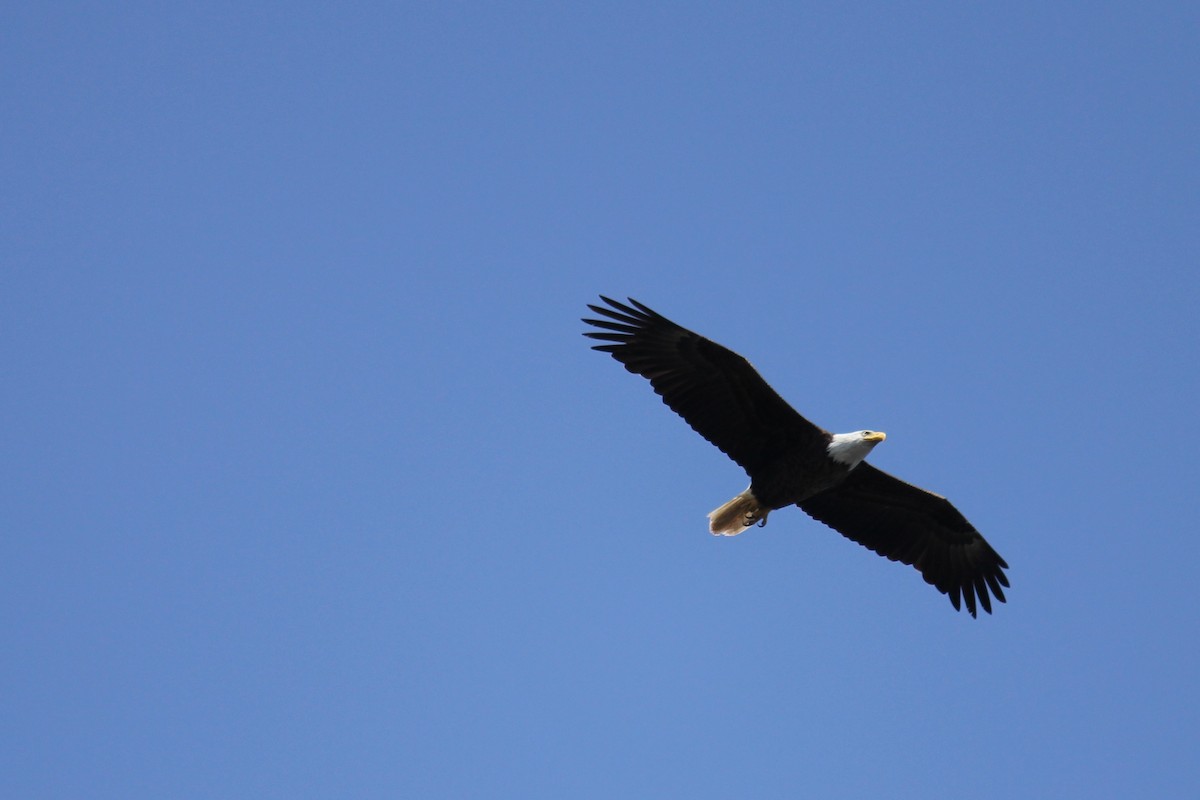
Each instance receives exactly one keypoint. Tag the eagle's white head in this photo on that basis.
(851, 448)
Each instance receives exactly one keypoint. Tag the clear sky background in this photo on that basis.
(311, 488)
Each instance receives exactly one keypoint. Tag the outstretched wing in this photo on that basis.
(715, 390)
(913, 526)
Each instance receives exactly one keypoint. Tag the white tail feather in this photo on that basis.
(735, 516)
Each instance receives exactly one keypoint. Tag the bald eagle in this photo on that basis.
(792, 461)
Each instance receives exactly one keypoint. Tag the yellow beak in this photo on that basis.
(875, 436)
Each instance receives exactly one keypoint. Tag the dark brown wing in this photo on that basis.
(715, 390)
(913, 526)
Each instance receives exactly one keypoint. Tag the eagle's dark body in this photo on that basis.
(793, 477)
(791, 461)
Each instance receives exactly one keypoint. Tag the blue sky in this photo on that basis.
(311, 487)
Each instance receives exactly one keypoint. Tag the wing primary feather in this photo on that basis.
(612, 326)
(981, 592)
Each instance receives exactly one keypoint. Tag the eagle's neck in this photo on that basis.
(849, 448)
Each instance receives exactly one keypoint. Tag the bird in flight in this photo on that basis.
(791, 461)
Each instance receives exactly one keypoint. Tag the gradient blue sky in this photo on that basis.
(311, 488)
